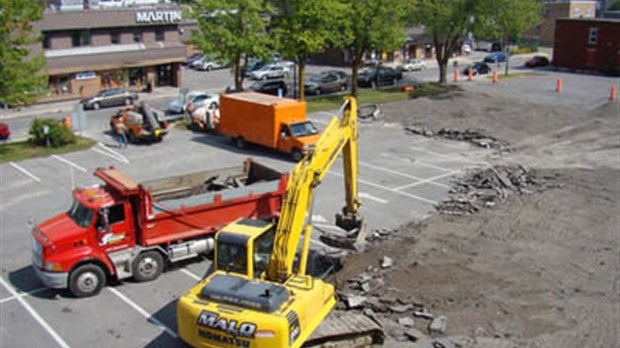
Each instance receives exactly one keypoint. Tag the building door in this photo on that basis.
(164, 75)
(591, 57)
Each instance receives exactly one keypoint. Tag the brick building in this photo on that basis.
(543, 33)
(90, 49)
(587, 44)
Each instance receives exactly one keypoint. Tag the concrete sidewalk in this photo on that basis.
(69, 105)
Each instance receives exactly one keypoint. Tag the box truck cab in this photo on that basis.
(274, 122)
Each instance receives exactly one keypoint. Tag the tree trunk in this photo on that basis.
(357, 59)
(238, 74)
(300, 78)
(443, 72)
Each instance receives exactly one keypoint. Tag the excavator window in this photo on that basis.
(232, 257)
(262, 251)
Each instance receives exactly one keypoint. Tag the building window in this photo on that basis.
(593, 35)
(46, 41)
(159, 34)
(576, 12)
(589, 12)
(137, 36)
(80, 38)
(115, 38)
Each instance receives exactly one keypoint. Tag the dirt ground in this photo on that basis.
(539, 270)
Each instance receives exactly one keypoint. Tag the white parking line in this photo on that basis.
(430, 181)
(144, 313)
(447, 156)
(372, 198)
(401, 174)
(24, 171)
(35, 315)
(416, 162)
(80, 168)
(191, 274)
(23, 294)
(318, 218)
(425, 200)
(110, 153)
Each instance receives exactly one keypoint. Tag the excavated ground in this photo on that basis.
(540, 269)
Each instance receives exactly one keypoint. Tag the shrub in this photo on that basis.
(58, 133)
(525, 49)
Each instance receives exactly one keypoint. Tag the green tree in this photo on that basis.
(505, 20)
(232, 31)
(449, 21)
(615, 6)
(20, 78)
(302, 27)
(374, 24)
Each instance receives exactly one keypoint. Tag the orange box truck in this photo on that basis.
(274, 122)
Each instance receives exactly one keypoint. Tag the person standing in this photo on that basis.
(120, 129)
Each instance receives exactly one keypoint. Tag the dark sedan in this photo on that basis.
(378, 76)
(496, 57)
(537, 61)
(325, 83)
(478, 68)
(273, 87)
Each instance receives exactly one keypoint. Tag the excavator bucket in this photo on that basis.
(354, 237)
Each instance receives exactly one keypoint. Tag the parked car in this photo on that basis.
(271, 71)
(207, 64)
(478, 68)
(193, 58)
(412, 64)
(270, 87)
(110, 97)
(537, 61)
(194, 98)
(467, 48)
(325, 83)
(253, 64)
(378, 76)
(495, 57)
(5, 133)
(372, 62)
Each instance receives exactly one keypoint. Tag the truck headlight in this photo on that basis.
(52, 266)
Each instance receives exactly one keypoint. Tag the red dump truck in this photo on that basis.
(126, 229)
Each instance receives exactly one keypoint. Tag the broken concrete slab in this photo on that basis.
(438, 325)
(386, 262)
(406, 321)
(354, 301)
(423, 314)
(401, 308)
(414, 334)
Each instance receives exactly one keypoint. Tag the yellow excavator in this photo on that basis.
(258, 295)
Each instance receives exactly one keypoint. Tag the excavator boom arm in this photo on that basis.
(340, 136)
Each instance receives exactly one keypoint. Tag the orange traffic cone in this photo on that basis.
(558, 86)
(470, 74)
(494, 76)
(456, 75)
(612, 94)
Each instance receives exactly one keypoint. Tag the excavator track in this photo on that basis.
(346, 330)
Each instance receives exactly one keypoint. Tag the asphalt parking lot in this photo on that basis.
(401, 177)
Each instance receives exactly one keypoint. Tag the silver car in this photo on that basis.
(271, 71)
(326, 83)
(110, 97)
(412, 64)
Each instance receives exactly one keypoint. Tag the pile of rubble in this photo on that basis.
(402, 317)
(476, 137)
(490, 187)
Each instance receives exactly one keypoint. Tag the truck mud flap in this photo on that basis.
(345, 329)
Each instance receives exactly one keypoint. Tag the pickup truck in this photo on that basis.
(125, 228)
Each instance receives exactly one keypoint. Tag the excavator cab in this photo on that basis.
(244, 247)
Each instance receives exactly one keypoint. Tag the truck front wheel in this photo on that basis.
(148, 266)
(86, 280)
(296, 155)
(240, 142)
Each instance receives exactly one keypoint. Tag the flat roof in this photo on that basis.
(262, 98)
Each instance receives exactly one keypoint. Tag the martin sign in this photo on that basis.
(158, 17)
